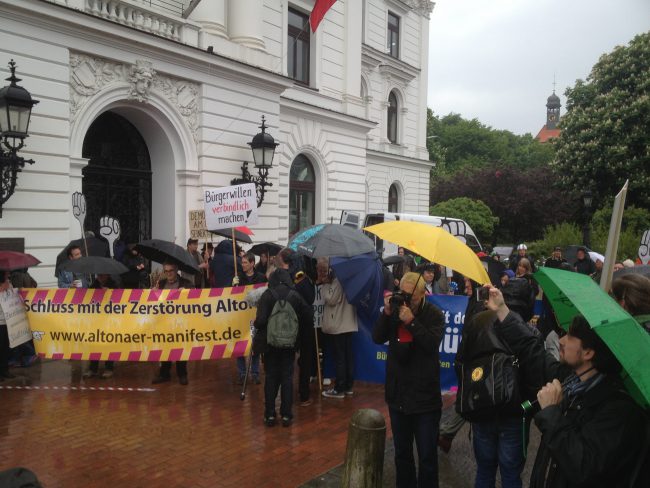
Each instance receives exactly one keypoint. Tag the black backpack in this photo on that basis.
(488, 376)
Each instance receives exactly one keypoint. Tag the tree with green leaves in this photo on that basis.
(605, 138)
(476, 213)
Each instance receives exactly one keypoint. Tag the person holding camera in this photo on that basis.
(593, 432)
(413, 329)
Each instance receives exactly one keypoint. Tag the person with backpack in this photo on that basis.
(489, 397)
(281, 314)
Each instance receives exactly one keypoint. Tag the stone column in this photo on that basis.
(212, 17)
(245, 23)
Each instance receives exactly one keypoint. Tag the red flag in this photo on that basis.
(318, 12)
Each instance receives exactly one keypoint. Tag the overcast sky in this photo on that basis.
(494, 59)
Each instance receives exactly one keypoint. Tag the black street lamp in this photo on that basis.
(15, 111)
(587, 200)
(263, 146)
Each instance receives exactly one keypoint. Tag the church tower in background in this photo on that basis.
(551, 129)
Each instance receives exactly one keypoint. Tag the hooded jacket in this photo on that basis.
(339, 317)
(413, 368)
(280, 282)
(222, 270)
(593, 441)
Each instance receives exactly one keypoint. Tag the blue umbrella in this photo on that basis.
(362, 281)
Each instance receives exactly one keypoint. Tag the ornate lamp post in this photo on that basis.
(263, 146)
(15, 111)
(587, 200)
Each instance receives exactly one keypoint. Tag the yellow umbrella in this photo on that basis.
(435, 244)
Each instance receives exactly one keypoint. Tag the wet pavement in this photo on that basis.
(123, 431)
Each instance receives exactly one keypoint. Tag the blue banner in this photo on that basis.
(370, 358)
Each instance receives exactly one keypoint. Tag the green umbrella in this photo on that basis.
(574, 293)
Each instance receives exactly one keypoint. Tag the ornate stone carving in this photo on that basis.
(90, 75)
(142, 75)
(422, 7)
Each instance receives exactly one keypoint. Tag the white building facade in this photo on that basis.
(143, 104)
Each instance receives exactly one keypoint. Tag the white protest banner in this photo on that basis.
(612, 239)
(198, 229)
(14, 311)
(230, 206)
(644, 247)
(319, 306)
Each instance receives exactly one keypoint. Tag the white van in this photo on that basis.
(456, 227)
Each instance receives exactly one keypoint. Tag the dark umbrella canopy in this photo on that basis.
(94, 265)
(270, 248)
(96, 247)
(12, 260)
(160, 251)
(329, 240)
(240, 235)
(642, 270)
(394, 259)
(362, 280)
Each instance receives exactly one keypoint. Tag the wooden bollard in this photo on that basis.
(364, 455)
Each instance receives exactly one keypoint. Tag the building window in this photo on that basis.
(298, 46)
(393, 35)
(393, 199)
(391, 120)
(302, 194)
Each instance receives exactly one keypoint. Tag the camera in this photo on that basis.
(482, 294)
(398, 299)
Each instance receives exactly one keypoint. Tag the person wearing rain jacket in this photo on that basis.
(592, 430)
(222, 270)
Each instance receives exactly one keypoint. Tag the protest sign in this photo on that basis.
(198, 228)
(230, 206)
(319, 306)
(15, 317)
(140, 325)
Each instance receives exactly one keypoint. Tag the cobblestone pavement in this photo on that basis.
(95, 433)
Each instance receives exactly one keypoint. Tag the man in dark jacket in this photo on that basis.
(222, 268)
(556, 259)
(413, 332)
(592, 430)
(278, 363)
(522, 252)
(584, 264)
(249, 276)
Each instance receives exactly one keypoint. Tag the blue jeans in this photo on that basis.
(498, 443)
(255, 365)
(422, 427)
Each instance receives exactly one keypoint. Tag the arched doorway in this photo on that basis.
(117, 179)
(302, 194)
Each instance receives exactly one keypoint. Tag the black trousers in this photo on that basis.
(4, 349)
(278, 371)
(306, 362)
(166, 368)
(341, 346)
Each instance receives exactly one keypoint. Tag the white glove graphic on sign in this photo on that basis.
(644, 248)
(110, 230)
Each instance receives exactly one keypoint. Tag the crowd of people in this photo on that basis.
(571, 377)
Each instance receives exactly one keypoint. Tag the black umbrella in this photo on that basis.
(160, 251)
(643, 270)
(96, 247)
(270, 248)
(94, 265)
(239, 235)
(394, 259)
(329, 240)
